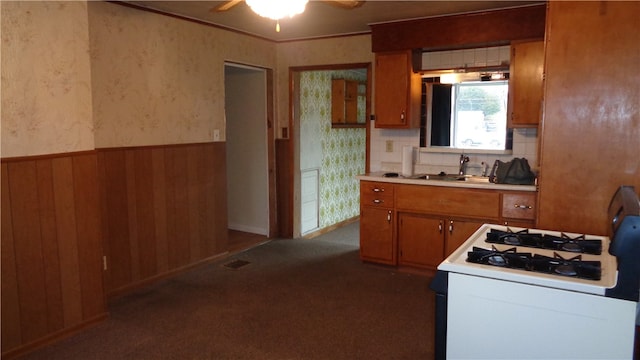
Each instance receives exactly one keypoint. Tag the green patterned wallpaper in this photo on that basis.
(342, 150)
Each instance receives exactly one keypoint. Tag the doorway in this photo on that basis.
(248, 153)
(326, 157)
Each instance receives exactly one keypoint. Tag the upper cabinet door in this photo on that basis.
(397, 91)
(526, 84)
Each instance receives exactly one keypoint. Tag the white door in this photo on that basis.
(309, 200)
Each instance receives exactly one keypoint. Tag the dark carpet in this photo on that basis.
(292, 299)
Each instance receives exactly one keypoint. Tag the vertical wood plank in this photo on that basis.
(206, 203)
(160, 208)
(51, 258)
(117, 217)
(219, 165)
(87, 212)
(62, 179)
(180, 240)
(193, 199)
(146, 234)
(28, 249)
(11, 333)
(104, 224)
(132, 211)
(172, 232)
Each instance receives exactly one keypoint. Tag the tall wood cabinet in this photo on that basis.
(398, 91)
(377, 223)
(591, 112)
(526, 85)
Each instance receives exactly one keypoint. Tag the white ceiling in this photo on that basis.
(320, 18)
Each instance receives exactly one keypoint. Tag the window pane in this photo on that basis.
(480, 115)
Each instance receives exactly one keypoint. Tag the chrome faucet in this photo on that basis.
(463, 159)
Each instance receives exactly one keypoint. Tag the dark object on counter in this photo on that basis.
(516, 171)
(390, 174)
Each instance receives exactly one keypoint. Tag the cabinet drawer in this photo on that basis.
(376, 194)
(449, 201)
(519, 206)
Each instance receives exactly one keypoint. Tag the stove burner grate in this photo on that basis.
(510, 258)
(563, 242)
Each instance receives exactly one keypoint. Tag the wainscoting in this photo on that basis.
(164, 209)
(51, 248)
(150, 211)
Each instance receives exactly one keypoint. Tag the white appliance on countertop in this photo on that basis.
(515, 293)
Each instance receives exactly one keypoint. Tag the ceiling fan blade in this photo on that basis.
(226, 5)
(347, 4)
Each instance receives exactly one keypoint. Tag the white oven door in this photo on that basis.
(495, 319)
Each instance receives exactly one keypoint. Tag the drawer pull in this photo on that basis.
(378, 190)
(378, 201)
(523, 207)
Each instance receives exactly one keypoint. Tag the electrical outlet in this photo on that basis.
(389, 145)
(216, 135)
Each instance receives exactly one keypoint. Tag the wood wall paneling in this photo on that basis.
(88, 225)
(284, 190)
(51, 248)
(591, 124)
(11, 331)
(459, 31)
(175, 209)
(28, 250)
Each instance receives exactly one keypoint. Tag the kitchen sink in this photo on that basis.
(453, 177)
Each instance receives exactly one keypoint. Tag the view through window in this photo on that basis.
(479, 114)
(468, 115)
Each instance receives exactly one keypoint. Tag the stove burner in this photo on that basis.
(566, 270)
(545, 241)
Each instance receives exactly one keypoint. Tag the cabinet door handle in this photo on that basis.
(389, 216)
(378, 190)
(402, 116)
(523, 207)
(440, 226)
(378, 201)
(450, 226)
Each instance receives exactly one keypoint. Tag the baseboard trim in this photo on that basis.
(115, 293)
(53, 337)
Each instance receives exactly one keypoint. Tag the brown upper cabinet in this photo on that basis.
(344, 103)
(526, 85)
(398, 91)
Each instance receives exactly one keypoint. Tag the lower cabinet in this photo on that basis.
(377, 242)
(424, 241)
(416, 226)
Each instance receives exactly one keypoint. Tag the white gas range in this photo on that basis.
(514, 293)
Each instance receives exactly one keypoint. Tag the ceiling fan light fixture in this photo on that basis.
(277, 9)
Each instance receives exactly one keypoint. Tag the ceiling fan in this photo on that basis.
(347, 4)
(278, 9)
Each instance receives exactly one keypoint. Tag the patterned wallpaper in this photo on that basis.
(46, 78)
(342, 151)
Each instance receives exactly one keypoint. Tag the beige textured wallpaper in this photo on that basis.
(160, 80)
(46, 78)
(83, 75)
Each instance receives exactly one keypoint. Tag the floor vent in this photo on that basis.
(236, 264)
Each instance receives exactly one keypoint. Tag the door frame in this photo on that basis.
(270, 134)
(294, 194)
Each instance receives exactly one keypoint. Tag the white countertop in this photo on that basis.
(378, 176)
